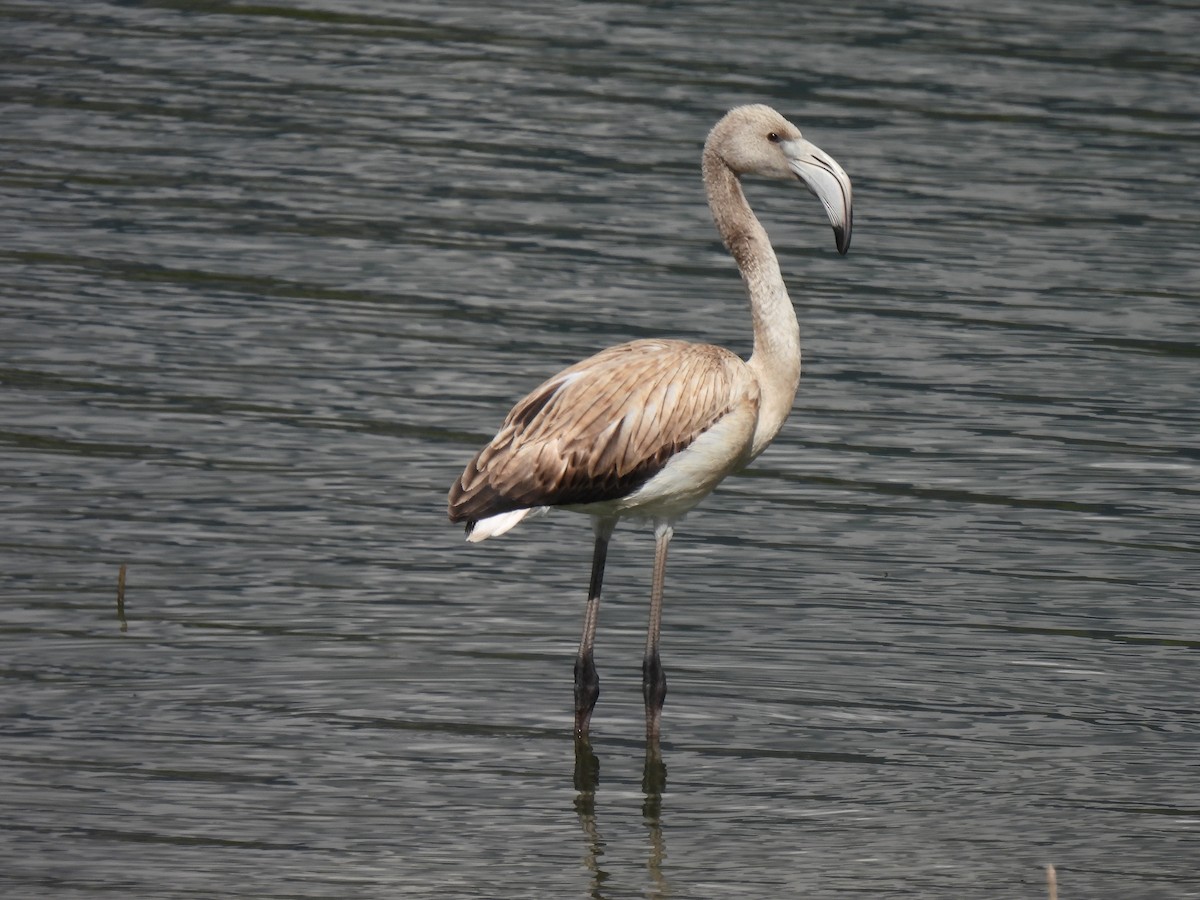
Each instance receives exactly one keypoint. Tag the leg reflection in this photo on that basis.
(587, 769)
(654, 775)
(587, 779)
(654, 782)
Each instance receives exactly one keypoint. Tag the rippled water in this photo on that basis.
(271, 273)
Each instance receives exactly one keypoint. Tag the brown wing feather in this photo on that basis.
(600, 429)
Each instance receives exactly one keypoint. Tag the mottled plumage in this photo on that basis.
(602, 428)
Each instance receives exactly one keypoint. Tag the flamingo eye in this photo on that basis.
(774, 138)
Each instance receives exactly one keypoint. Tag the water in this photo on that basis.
(271, 273)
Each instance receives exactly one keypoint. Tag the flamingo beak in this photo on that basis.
(828, 182)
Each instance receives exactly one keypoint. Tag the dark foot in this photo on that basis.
(587, 692)
(654, 692)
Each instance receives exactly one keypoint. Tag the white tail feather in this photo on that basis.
(494, 526)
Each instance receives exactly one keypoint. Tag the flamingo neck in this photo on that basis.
(775, 361)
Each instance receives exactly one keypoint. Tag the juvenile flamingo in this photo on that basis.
(647, 429)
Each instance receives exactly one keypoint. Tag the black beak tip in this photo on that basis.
(842, 238)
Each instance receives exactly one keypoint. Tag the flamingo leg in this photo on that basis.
(587, 681)
(654, 678)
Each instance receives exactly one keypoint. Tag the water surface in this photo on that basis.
(270, 274)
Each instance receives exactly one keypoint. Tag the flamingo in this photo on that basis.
(647, 429)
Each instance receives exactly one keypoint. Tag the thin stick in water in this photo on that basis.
(121, 597)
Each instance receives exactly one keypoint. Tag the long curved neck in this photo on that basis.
(776, 357)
